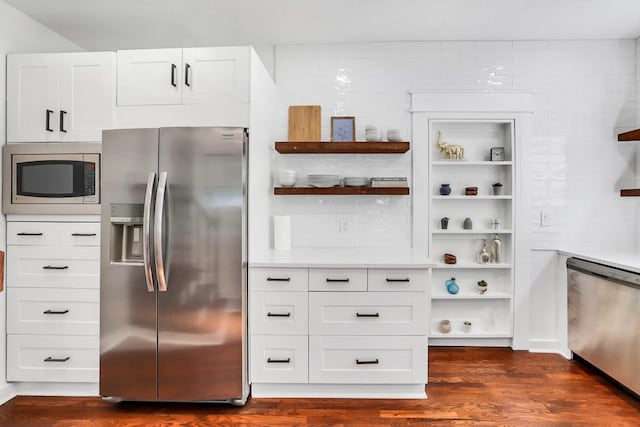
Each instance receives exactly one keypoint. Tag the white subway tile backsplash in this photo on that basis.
(583, 90)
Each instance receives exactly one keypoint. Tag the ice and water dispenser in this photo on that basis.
(126, 233)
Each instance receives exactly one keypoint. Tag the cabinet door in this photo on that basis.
(32, 90)
(217, 74)
(150, 77)
(87, 95)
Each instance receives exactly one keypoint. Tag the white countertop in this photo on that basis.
(344, 258)
(625, 260)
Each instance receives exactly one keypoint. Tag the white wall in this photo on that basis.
(19, 34)
(584, 92)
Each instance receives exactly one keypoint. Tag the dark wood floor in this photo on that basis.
(467, 386)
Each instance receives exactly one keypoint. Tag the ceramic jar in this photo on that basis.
(452, 286)
(445, 189)
(467, 224)
(444, 223)
(444, 326)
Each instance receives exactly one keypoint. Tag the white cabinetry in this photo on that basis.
(53, 305)
(62, 97)
(183, 76)
(490, 313)
(363, 329)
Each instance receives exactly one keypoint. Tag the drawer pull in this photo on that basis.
(287, 360)
(367, 362)
(398, 280)
(83, 234)
(278, 279)
(270, 314)
(55, 267)
(55, 312)
(367, 314)
(53, 359)
(337, 280)
(30, 234)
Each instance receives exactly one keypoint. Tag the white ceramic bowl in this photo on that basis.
(393, 135)
(287, 181)
(373, 136)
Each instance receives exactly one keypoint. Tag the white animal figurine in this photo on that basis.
(453, 152)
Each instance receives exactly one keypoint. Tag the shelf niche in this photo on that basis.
(353, 147)
(341, 191)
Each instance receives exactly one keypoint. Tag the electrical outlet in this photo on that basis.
(545, 219)
(344, 226)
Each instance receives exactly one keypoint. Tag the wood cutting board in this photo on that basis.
(304, 123)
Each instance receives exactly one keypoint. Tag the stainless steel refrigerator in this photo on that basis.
(173, 276)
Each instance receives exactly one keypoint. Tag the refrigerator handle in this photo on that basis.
(146, 230)
(157, 232)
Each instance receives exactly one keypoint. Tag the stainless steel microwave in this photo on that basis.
(51, 178)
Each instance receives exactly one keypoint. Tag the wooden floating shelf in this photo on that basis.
(630, 192)
(341, 191)
(633, 135)
(354, 147)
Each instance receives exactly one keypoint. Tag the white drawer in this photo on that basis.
(397, 280)
(337, 279)
(38, 266)
(367, 313)
(53, 233)
(53, 311)
(279, 279)
(279, 359)
(52, 358)
(368, 360)
(279, 313)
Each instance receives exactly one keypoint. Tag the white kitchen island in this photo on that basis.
(339, 323)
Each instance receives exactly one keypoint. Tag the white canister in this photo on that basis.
(282, 233)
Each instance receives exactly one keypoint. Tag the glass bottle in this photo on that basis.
(452, 286)
(484, 256)
(496, 249)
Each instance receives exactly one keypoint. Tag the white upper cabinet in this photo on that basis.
(60, 97)
(183, 76)
(150, 77)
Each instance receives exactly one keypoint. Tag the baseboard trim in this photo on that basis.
(340, 391)
(7, 392)
(549, 346)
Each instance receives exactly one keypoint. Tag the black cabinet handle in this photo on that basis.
(187, 81)
(397, 280)
(337, 280)
(53, 359)
(62, 114)
(55, 312)
(173, 75)
(83, 234)
(30, 234)
(55, 267)
(278, 279)
(367, 362)
(287, 360)
(270, 314)
(367, 314)
(48, 122)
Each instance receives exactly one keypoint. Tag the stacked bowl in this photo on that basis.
(356, 181)
(287, 177)
(393, 135)
(372, 133)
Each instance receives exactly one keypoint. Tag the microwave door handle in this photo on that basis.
(157, 232)
(146, 230)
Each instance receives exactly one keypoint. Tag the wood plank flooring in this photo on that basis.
(467, 386)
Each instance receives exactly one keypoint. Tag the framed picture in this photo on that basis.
(497, 154)
(343, 128)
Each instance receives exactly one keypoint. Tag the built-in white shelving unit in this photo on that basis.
(490, 313)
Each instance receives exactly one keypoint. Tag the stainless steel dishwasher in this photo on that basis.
(604, 319)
